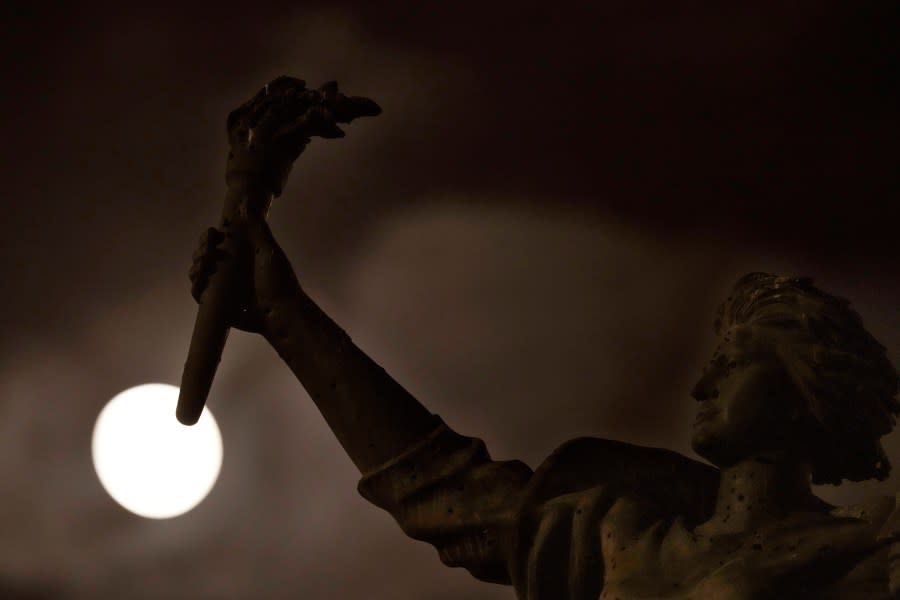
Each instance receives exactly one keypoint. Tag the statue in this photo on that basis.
(797, 392)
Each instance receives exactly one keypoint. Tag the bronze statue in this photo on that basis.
(797, 392)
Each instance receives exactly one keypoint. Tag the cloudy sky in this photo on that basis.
(532, 238)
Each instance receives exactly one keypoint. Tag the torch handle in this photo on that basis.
(207, 343)
(216, 312)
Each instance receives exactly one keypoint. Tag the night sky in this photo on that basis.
(532, 238)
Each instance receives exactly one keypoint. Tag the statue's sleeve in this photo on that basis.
(447, 491)
(538, 531)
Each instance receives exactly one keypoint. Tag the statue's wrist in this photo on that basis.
(280, 325)
(248, 181)
(253, 169)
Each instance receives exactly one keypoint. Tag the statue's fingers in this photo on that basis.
(207, 262)
(209, 239)
(199, 274)
(207, 254)
(203, 240)
(202, 248)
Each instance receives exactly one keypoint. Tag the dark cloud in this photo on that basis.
(532, 238)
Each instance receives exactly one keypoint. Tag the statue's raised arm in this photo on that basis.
(372, 416)
(797, 392)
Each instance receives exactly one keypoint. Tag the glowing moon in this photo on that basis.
(149, 462)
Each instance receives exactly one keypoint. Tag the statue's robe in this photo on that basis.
(606, 519)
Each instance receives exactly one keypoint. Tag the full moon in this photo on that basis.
(149, 462)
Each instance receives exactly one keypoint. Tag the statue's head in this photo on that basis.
(795, 375)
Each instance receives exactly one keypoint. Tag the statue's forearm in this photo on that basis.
(373, 416)
(440, 486)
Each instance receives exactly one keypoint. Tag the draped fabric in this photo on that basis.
(538, 531)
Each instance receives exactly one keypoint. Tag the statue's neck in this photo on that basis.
(758, 491)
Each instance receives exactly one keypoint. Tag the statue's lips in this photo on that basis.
(705, 414)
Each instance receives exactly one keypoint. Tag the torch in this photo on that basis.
(266, 135)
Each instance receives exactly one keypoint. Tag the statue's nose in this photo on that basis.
(705, 389)
(698, 393)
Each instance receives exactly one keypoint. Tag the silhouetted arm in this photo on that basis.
(440, 486)
(373, 417)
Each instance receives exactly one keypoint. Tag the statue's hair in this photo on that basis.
(841, 371)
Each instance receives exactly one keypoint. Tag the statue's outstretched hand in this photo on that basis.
(268, 132)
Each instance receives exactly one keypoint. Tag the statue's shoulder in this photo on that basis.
(677, 484)
(878, 510)
(882, 512)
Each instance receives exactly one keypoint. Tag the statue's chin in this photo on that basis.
(709, 447)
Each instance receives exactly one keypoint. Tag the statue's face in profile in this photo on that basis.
(746, 403)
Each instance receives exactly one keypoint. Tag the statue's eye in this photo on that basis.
(733, 364)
